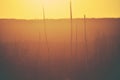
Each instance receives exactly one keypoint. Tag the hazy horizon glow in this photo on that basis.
(32, 9)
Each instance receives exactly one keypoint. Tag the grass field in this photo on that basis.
(24, 55)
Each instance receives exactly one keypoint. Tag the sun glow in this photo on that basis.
(53, 8)
(32, 9)
(48, 3)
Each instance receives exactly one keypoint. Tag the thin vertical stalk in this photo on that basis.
(46, 38)
(85, 37)
(76, 43)
(76, 37)
(86, 46)
(71, 39)
(39, 46)
(40, 52)
(71, 25)
(44, 23)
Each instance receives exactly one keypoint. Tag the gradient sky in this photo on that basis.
(32, 9)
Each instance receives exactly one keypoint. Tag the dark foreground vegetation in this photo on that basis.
(24, 54)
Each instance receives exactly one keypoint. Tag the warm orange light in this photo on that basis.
(30, 9)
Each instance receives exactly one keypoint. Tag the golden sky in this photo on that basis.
(32, 9)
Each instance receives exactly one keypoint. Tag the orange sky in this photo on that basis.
(32, 9)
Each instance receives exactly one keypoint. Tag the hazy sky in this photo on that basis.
(32, 9)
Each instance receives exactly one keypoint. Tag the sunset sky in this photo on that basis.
(32, 9)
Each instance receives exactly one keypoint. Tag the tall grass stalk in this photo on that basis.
(76, 48)
(86, 47)
(71, 38)
(46, 39)
(39, 45)
(85, 37)
(71, 24)
(44, 23)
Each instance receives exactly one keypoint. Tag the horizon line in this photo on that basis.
(58, 18)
